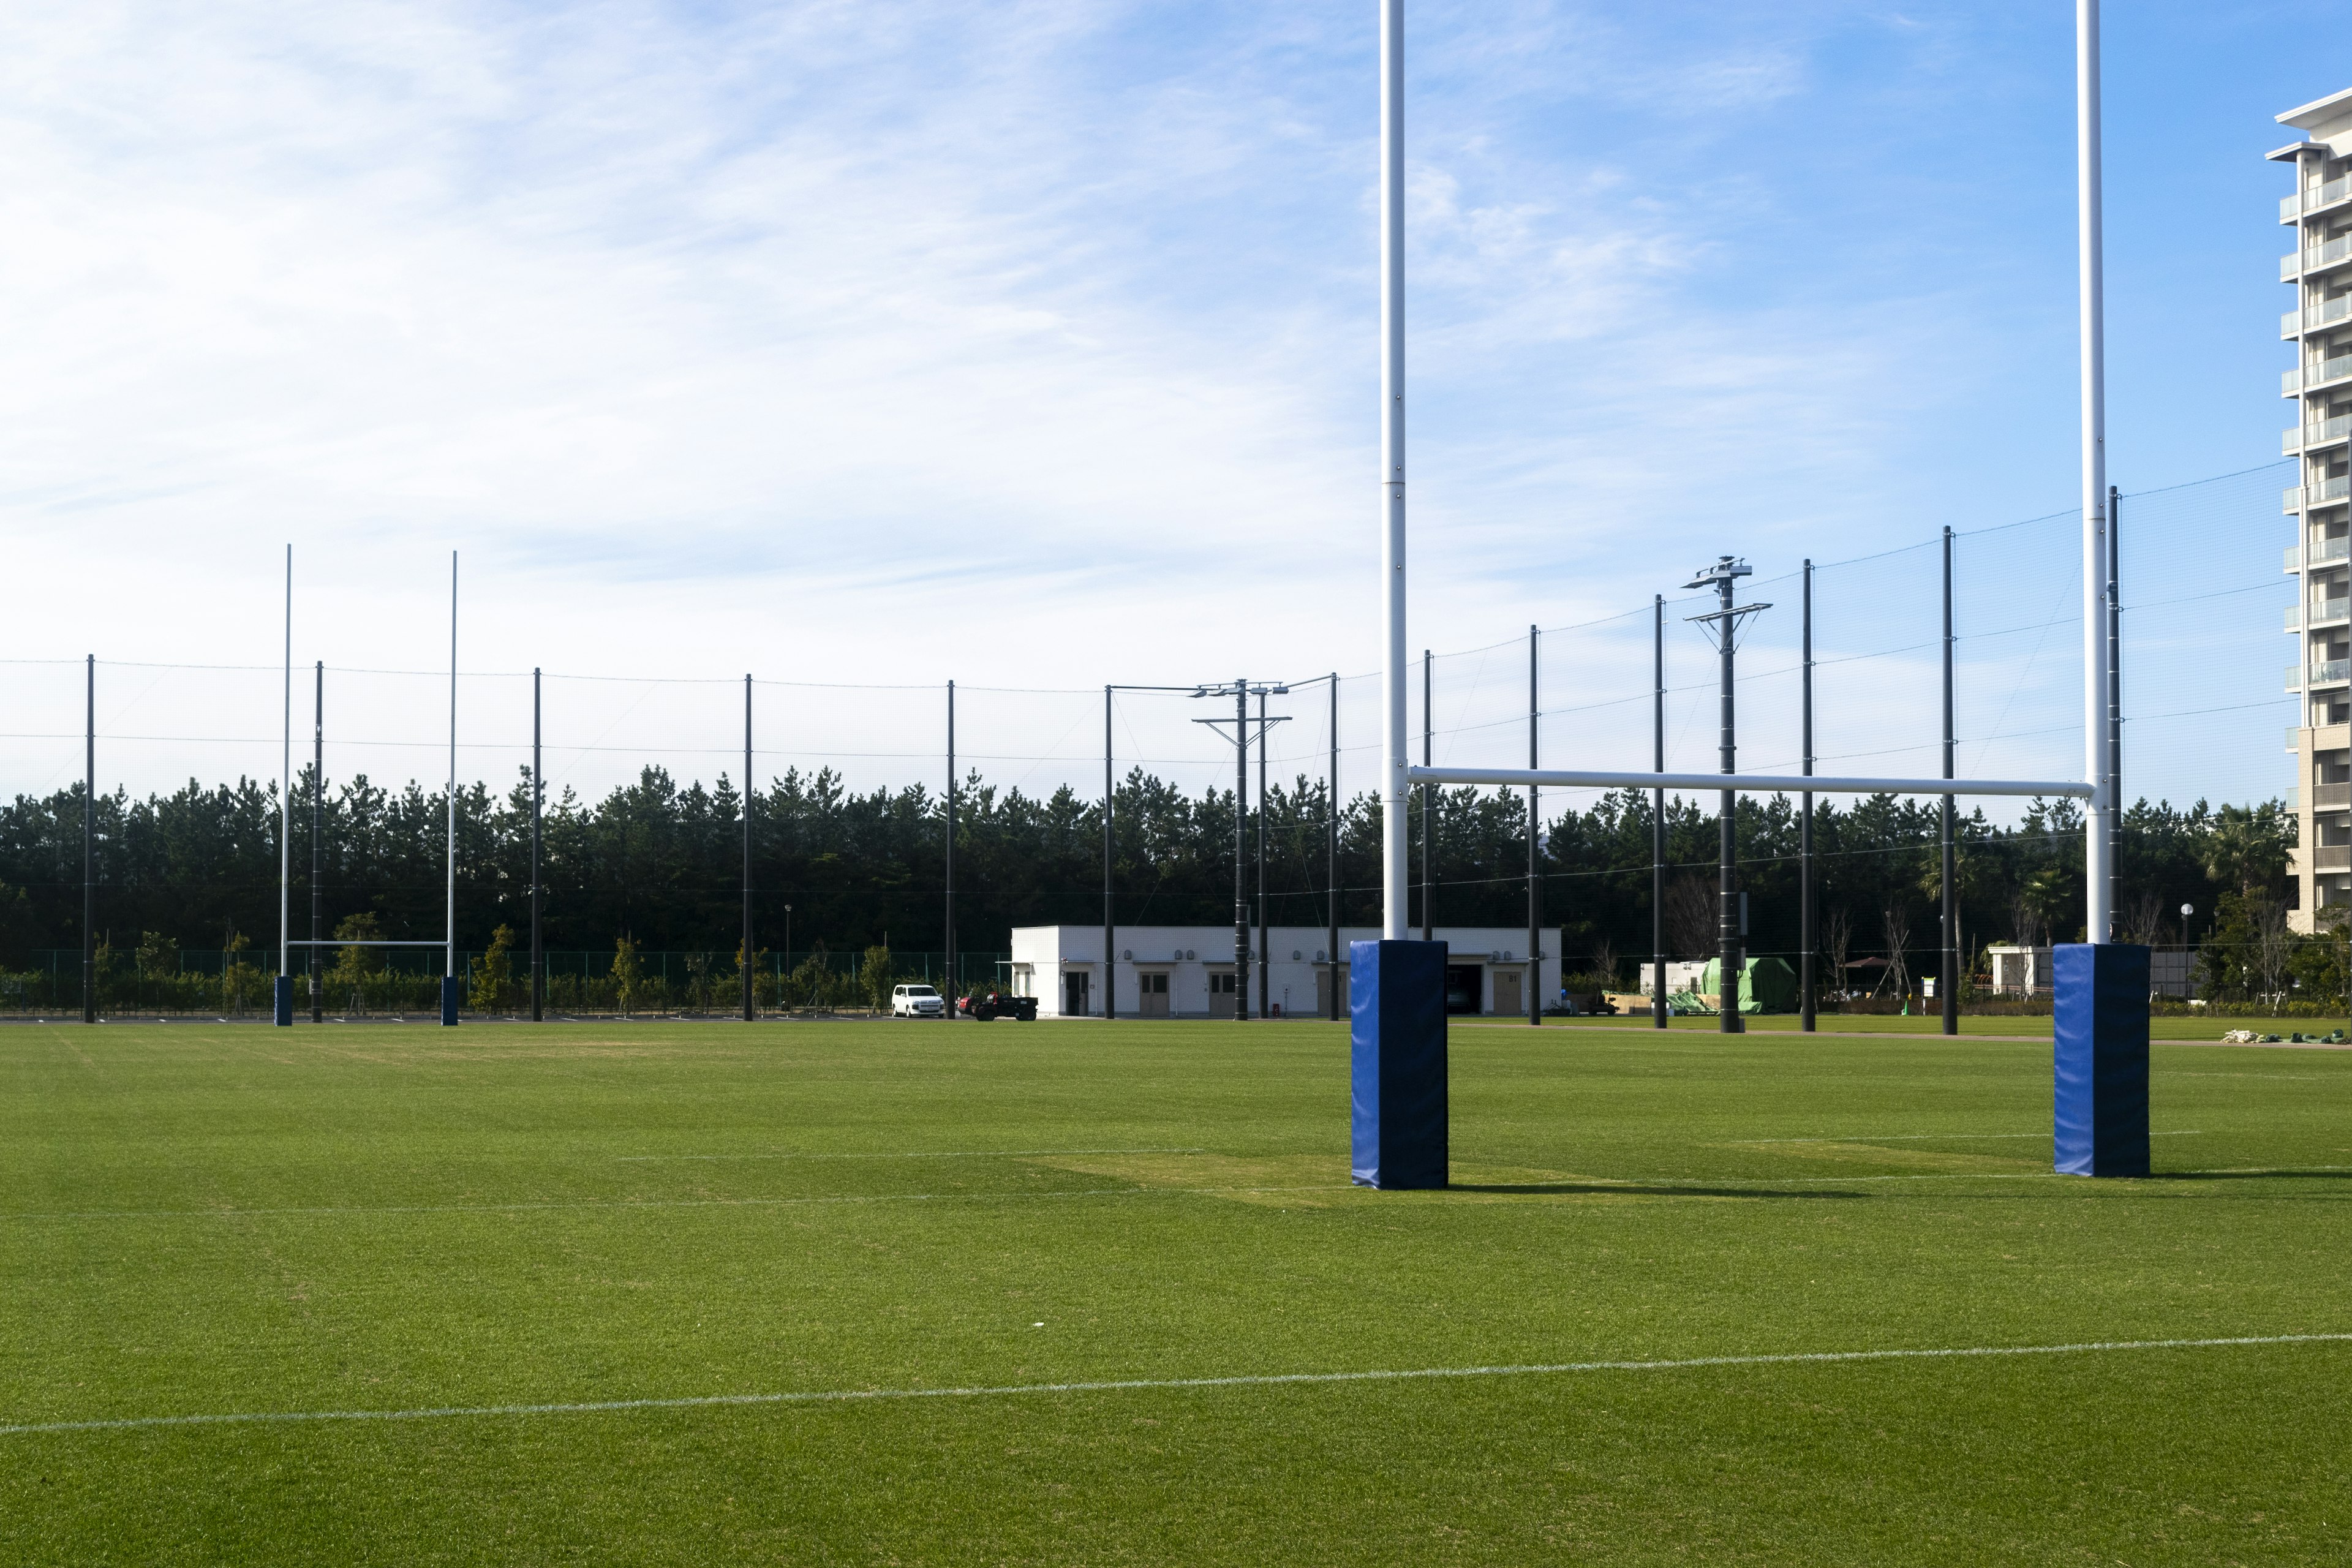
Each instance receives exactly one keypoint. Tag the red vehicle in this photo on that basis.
(992, 1004)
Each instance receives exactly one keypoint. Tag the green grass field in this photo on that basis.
(389, 1219)
(2208, 1030)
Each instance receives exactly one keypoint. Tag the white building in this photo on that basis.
(2319, 268)
(1187, 971)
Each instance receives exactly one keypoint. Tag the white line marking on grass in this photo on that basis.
(1920, 1138)
(1261, 1380)
(942, 1154)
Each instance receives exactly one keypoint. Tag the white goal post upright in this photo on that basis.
(1394, 789)
(2098, 761)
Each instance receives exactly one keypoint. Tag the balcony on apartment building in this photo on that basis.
(2328, 672)
(2294, 323)
(2319, 433)
(2314, 198)
(2325, 492)
(2312, 257)
(2324, 612)
(2331, 797)
(2332, 858)
(2318, 374)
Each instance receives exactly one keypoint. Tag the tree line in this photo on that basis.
(659, 865)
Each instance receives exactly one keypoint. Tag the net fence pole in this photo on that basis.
(1807, 939)
(1658, 811)
(318, 826)
(1428, 795)
(1332, 844)
(1950, 961)
(1726, 1000)
(2116, 691)
(1110, 956)
(955, 987)
(744, 966)
(538, 806)
(282, 989)
(89, 841)
(449, 926)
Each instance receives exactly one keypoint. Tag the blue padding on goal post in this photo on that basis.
(283, 1003)
(449, 1001)
(1396, 1042)
(2101, 1059)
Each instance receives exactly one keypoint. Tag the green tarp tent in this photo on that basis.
(1765, 984)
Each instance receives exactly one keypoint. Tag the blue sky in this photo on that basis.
(1033, 345)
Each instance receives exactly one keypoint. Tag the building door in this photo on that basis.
(1221, 994)
(1074, 994)
(1463, 987)
(1151, 988)
(1325, 978)
(1508, 1003)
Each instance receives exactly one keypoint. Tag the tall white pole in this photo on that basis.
(449, 931)
(286, 790)
(2099, 842)
(1394, 788)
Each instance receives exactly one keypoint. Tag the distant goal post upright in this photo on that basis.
(1396, 1002)
(447, 941)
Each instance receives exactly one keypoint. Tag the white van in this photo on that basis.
(916, 1002)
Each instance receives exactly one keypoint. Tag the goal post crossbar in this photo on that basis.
(1745, 783)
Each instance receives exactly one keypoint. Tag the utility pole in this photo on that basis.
(1807, 938)
(1658, 812)
(1264, 917)
(1241, 690)
(318, 818)
(1534, 877)
(1950, 983)
(1724, 577)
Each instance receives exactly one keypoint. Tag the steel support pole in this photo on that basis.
(89, 840)
(286, 801)
(1658, 812)
(318, 824)
(1331, 848)
(1110, 955)
(1393, 828)
(1241, 851)
(1534, 877)
(955, 983)
(1428, 797)
(1265, 920)
(1726, 1001)
(1949, 982)
(1808, 937)
(751, 1009)
(449, 931)
(2099, 818)
(538, 808)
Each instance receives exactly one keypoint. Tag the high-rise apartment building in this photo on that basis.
(2319, 268)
